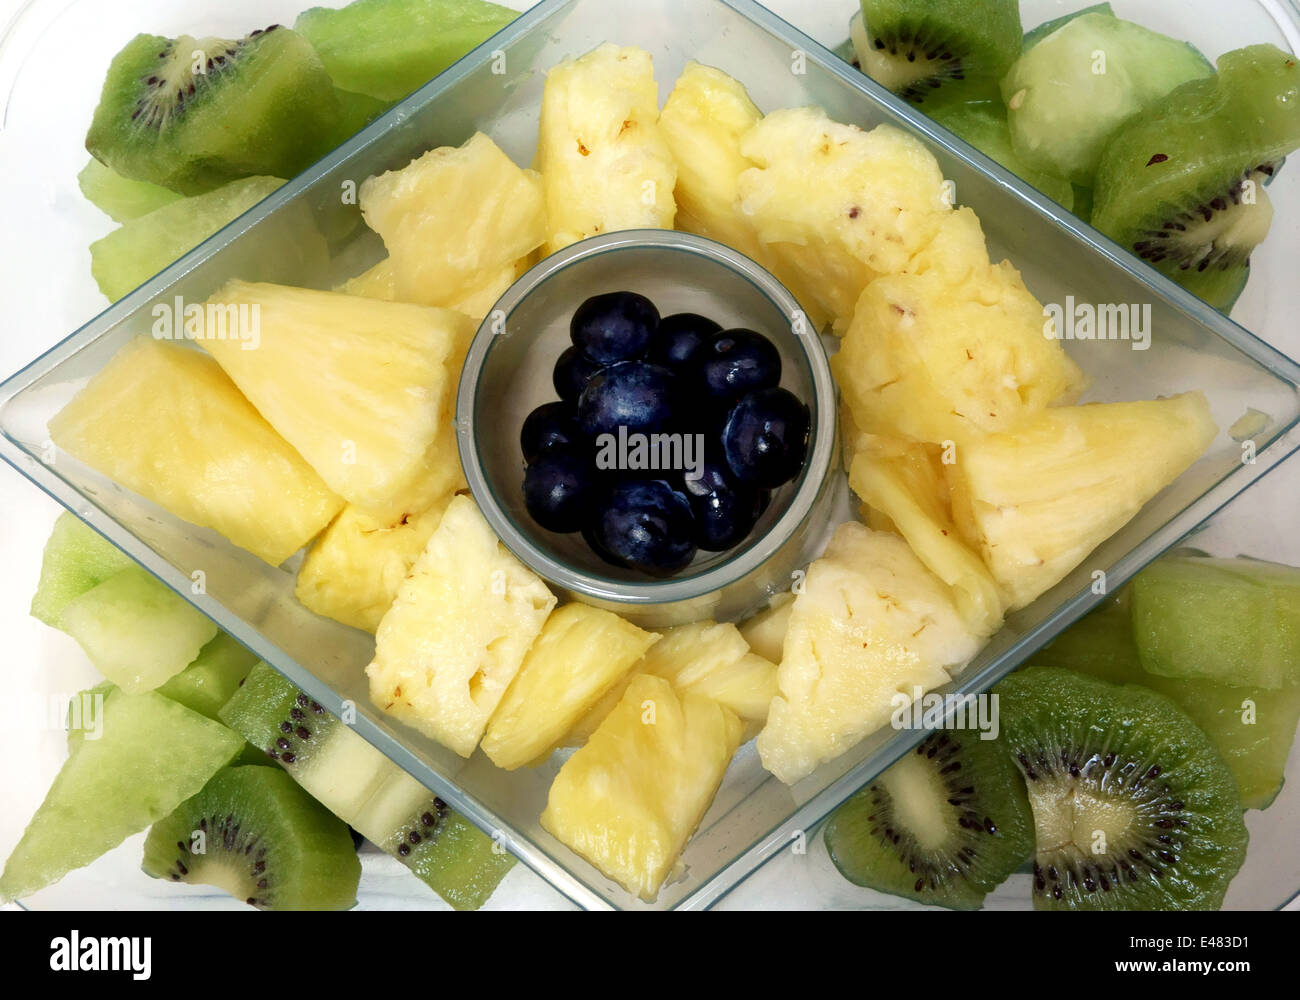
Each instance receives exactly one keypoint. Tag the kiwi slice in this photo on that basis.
(192, 114)
(921, 49)
(945, 825)
(984, 125)
(1134, 808)
(252, 832)
(366, 790)
(1184, 186)
(1069, 93)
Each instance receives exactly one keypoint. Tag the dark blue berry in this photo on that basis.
(550, 426)
(614, 327)
(644, 398)
(680, 340)
(572, 372)
(737, 362)
(558, 491)
(645, 525)
(765, 438)
(725, 510)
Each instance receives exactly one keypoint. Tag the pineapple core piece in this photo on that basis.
(458, 632)
(935, 357)
(836, 207)
(581, 653)
(353, 571)
(166, 422)
(455, 222)
(872, 623)
(1035, 501)
(630, 799)
(604, 162)
(357, 386)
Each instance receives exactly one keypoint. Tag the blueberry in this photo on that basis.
(680, 339)
(642, 397)
(736, 362)
(725, 510)
(573, 371)
(558, 491)
(644, 524)
(765, 438)
(550, 426)
(614, 327)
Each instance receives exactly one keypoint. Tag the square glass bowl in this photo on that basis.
(754, 815)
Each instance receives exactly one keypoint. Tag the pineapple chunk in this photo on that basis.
(765, 632)
(357, 386)
(380, 282)
(836, 207)
(704, 658)
(872, 623)
(905, 482)
(703, 121)
(1037, 500)
(455, 222)
(630, 799)
(581, 653)
(166, 422)
(353, 571)
(604, 162)
(458, 632)
(935, 361)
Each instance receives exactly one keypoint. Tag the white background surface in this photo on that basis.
(36, 659)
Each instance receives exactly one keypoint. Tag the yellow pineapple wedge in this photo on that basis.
(906, 483)
(936, 359)
(164, 421)
(458, 632)
(703, 121)
(630, 799)
(455, 222)
(353, 570)
(605, 164)
(1036, 500)
(580, 655)
(765, 632)
(835, 206)
(357, 386)
(704, 658)
(871, 625)
(380, 282)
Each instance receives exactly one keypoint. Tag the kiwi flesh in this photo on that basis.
(1134, 808)
(920, 49)
(1185, 185)
(253, 833)
(366, 790)
(945, 825)
(192, 114)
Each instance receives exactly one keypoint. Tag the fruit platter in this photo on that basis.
(643, 443)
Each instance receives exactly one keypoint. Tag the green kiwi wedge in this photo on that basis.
(945, 825)
(1072, 90)
(253, 833)
(388, 48)
(1134, 808)
(192, 114)
(924, 49)
(1184, 186)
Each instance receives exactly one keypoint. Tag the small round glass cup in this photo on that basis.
(507, 374)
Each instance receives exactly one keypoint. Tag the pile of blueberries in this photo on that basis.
(710, 398)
